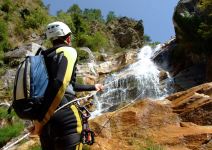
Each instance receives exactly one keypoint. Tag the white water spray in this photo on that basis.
(139, 79)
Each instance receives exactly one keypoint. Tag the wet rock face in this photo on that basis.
(188, 58)
(181, 122)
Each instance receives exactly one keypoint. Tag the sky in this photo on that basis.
(156, 14)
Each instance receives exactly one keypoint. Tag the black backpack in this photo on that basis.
(29, 87)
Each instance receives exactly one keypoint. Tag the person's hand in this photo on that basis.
(35, 130)
(99, 87)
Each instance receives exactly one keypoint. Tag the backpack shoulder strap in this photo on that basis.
(48, 51)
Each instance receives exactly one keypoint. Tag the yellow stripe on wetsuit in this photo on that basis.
(71, 57)
(79, 123)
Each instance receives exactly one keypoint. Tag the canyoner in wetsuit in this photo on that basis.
(61, 130)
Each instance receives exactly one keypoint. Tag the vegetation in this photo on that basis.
(111, 16)
(195, 29)
(205, 27)
(152, 146)
(36, 147)
(10, 130)
(148, 41)
(4, 44)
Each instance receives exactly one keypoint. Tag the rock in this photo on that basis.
(6, 85)
(163, 75)
(13, 58)
(188, 57)
(127, 33)
(174, 125)
(162, 124)
(194, 105)
(112, 63)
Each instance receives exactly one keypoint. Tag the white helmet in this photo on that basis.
(57, 29)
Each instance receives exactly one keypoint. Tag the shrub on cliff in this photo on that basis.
(9, 131)
(205, 27)
(4, 44)
(193, 26)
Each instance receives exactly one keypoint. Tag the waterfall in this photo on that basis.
(139, 80)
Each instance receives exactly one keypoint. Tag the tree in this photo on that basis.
(110, 16)
(93, 14)
(74, 9)
(64, 17)
(147, 39)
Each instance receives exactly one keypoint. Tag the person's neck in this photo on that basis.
(56, 43)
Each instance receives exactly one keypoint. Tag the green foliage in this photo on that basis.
(93, 15)
(147, 39)
(4, 44)
(80, 25)
(205, 27)
(82, 55)
(36, 147)
(3, 113)
(195, 29)
(74, 9)
(6, 6)
(36, 19)
(205, 5)
(94, 42)
(150, 145)
(189, 23)
(11, 130)
(66, 18)
(205, 31)
(111, 16)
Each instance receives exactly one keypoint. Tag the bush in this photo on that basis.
(94, 42)
(11, 130)
(64, 17)
(82, 55)
(111, 16)
(37, 18)
(4, 44)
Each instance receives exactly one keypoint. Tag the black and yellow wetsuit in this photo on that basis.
(61, 130)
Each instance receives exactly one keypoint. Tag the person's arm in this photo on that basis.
(79, 87)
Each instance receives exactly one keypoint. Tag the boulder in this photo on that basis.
(127, 33)
(188, 57)
(14, 57)
(181, 121)
(194, 105)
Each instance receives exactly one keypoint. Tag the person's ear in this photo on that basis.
(68, 40)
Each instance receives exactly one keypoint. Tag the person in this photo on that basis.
(60, 130)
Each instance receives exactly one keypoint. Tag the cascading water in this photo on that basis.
(139, 80)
